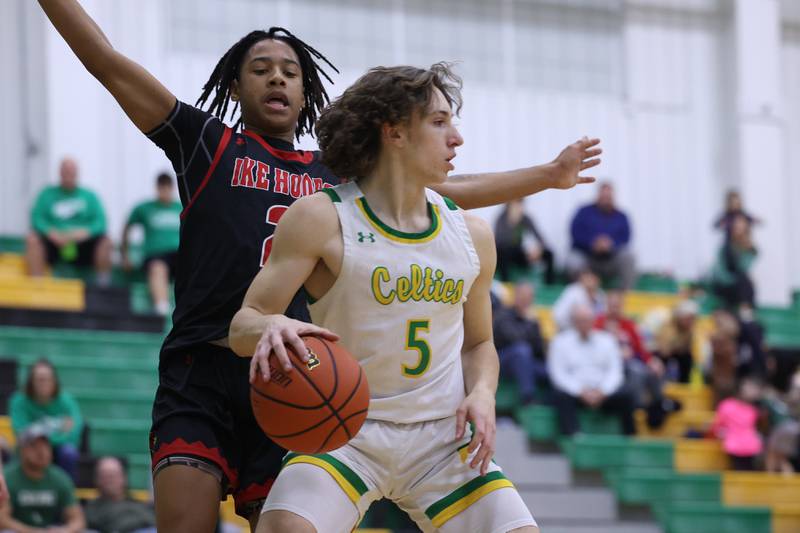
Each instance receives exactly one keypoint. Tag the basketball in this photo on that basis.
(317, 407)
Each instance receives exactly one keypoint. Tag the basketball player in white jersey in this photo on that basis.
(402, 276)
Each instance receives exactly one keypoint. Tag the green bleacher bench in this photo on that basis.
(699, 517)
(92, 372)
(115, 403)
(507, 398)
(139, 470)
(14, 244)
(65, 342)
(615, 451)
(540, 422)
(119, 436)
(646, 486)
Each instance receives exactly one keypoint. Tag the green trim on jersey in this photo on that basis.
(402, 236)
(450, 203)
(464, 496)
(333, 195)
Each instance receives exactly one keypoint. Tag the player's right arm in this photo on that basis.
(306, 235)
(143, 98)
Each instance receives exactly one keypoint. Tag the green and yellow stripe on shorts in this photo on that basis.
(351, 484)
(464, 496)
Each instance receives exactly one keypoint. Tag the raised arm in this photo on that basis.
(143, 98)
(305, 235)
(478, 355)
(471, 191)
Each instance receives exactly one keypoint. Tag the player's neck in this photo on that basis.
(286, 136)
(395, 196)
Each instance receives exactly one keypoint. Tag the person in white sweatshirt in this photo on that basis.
(585, 291)
(586, 369)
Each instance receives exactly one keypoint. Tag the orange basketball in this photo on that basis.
(319, 405)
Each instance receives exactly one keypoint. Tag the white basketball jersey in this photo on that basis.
(398, 306)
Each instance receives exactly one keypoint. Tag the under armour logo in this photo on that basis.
(369, 237)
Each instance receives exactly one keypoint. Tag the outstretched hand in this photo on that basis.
(280, 331)
(574, 159)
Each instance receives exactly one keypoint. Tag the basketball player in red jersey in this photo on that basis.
(235, 183)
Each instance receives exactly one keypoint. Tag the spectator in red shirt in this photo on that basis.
(644, 373)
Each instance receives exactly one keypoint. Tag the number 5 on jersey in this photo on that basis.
(419, 345)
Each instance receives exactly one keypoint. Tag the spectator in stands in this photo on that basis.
(114, 511)
(601, 236)
(735, 424)
(514, 235)
(161, 221)
(519, 342)
(44, 403)
(674, 341)
(733, 208)
(724, 355)
(643, 373)
(68, 226)
(586, 369)
(42, 498)
(783, 446)
(730, 275)
(585, 291)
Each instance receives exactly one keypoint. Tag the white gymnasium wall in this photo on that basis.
(790, 65)
(647, 76)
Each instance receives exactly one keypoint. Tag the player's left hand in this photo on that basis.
(574, 159)
(478, 408)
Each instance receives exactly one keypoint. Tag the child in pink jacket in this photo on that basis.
(735, 425)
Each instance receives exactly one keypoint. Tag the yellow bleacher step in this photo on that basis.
(692, 397)
(785, 519)
(700, 455)
(141, 495)
(6, 432)
(42, 293)
(677, 424)
(641, 303)
(12, 265)
(776, 491)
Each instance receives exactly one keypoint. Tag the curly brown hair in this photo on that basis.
(349, 130)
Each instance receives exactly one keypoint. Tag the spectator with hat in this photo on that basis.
(41, 496)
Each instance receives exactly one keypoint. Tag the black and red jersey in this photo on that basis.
(234, 188)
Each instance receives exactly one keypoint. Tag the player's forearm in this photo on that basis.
(246, 329)
(81, 33)
(471, 191)
(481, 368)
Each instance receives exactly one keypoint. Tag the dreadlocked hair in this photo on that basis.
(229, 65)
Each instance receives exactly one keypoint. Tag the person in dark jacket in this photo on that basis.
(519, 342)
(514, 235)
(601, 235)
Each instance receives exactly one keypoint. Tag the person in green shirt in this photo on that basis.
(161, 220)
(730, 276)
(68, 226)
(41, 496)
(42, 403)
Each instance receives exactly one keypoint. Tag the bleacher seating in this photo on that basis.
(113, 375)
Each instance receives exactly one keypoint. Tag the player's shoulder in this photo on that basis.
(479, 229)
(315, 210)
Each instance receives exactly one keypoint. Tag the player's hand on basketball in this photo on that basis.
(280, 331)
(574, 159)
(478, 408)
